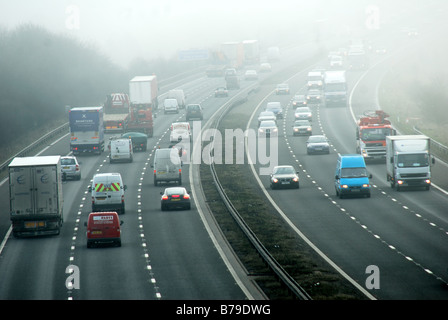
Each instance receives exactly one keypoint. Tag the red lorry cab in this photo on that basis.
(103, 227)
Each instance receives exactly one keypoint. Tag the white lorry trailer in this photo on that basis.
(36, 200)
(408, 161)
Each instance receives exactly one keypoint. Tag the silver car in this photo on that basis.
(266, 115)
(268, 128)
(303, 113)
(70, 168)
(302, 127)
(317, 144)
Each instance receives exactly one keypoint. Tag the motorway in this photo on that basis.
(403, 235)
(172, 255)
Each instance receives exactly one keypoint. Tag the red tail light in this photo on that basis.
(175, 196)
(165, 198)
(186, 196)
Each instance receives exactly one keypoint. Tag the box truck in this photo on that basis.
(36, 200)
(408, 161)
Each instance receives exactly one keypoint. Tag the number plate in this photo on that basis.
(34, 224)
(97, 232)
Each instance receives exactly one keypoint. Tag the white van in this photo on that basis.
(171, 105)
(167, 166)
(108, 193)
(180, 131)
(121, 150)
(179, 95)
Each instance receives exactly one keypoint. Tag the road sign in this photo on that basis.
(193, 55)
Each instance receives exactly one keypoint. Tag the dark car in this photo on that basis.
(284, 176)
(139, 140)
(175, 197)
(193, 111)
(317, 144)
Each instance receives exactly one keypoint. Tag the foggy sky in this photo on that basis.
(125, 30)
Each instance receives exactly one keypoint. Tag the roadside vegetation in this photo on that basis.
(41, 73)
(414, 93)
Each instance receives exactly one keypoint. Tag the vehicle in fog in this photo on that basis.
(167, 166)
(299, 100)
(276, 108)
(121, 150)
(302, 127)
(282, 88)
(116, 112)
(35, 195)
(108, 192)
(267, 129)
(143, 95)
(180, 131)
(221, 92)
(139, 140)
(86, 130)
(303, 113)
(170, 105)
(335, 88)
(317, 144)
(371, 131)
(284, 177)
(179, 95)
(408, 161)
(193, 111)
(351, 176)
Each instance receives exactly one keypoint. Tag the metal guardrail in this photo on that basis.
(441, 150)
(273, 264)
(38, 143)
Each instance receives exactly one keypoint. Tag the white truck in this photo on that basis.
(35, 195)
(408, 161)
(335, 88)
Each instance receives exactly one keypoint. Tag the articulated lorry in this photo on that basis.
(86, 130)
(35, 195)
(143, 95)
(116, 112)
(408, 161)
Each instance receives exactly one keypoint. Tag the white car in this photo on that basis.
(266, 115)
(171, 105)
(303, 113)
(267, 129)
(180, 131)
(251, 75)
(265, 67)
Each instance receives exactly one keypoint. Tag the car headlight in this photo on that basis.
(366, 185)
(295, 179)
(344, 186)
(275, 180)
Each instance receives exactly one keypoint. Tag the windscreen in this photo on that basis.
(413, 160)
